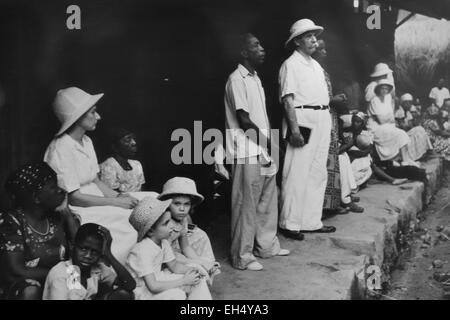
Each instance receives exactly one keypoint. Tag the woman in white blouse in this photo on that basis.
(390, 142)
(71, 154)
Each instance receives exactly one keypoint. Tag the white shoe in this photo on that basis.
(283, 252)
(254, 266)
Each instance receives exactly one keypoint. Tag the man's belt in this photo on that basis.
(321, 107)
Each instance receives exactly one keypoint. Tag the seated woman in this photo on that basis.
(190, 243)
(360, 153)
(71, 154)
(120, 172)
(33, 237)
(419, 143)
(434, 125)
(85, 276)
(390, 141)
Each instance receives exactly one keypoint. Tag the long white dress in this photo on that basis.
(77, 167)
(388, 139)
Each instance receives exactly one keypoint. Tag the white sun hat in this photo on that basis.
(406, 97)
(384, 82)
(180, 186)
(301, 26)
(70, 104)
(380, 69)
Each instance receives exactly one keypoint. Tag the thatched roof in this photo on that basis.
(432, 8)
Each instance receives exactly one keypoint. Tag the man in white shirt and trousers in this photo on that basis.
(304, 95)
(254, 200)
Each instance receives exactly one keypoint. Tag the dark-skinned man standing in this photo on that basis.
(254, 204)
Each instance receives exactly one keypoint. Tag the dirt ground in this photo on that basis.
(413, 277)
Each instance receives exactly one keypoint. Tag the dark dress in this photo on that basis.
(333, 190)
(39, 250)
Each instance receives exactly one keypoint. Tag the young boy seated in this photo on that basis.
(86, 276)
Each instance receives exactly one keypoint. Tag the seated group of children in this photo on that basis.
(171, 259)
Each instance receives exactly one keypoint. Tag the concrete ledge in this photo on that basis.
(332, 266)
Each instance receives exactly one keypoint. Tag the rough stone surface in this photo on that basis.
(332, 266)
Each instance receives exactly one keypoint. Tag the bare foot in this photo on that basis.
(396, 182)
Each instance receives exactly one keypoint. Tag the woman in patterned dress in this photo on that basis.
(332, 200)
(33, 238)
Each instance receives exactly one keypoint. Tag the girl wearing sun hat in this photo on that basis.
(71, 154)
(153, 223)
(190, 243)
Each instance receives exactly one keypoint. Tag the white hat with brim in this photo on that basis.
(70, 104)
(384, 82)
(381, 69)
(406, 97)
(302, 26)
(180, 186)
(146, 213)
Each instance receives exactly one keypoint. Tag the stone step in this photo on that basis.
(333, 266)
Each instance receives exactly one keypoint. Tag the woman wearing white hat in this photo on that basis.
(390, 142)
(381, 72)
(71, 154)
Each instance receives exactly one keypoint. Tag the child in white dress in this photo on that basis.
(120, 172)
(190, 243)
(179, 281)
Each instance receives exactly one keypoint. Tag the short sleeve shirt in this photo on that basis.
(244, 91)
(75, 164)
(117, 178)
(304, 78)
(147, 257)
(63, 281)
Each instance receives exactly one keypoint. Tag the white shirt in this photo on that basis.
(146, 258)
(244, 91)
(74, 164)
(303, 77)
(439, 95)
(63, 281)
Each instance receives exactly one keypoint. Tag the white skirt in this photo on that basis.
(115, 219)
(388, 139)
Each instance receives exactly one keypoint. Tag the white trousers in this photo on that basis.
(305, 174)
(348, 182)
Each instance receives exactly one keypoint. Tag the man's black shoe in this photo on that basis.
(296, 235)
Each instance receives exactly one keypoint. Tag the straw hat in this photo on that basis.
(301, 26)
(146, 213)
(406, 97)
(70, 104)
(180, 185)
(381, 69)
